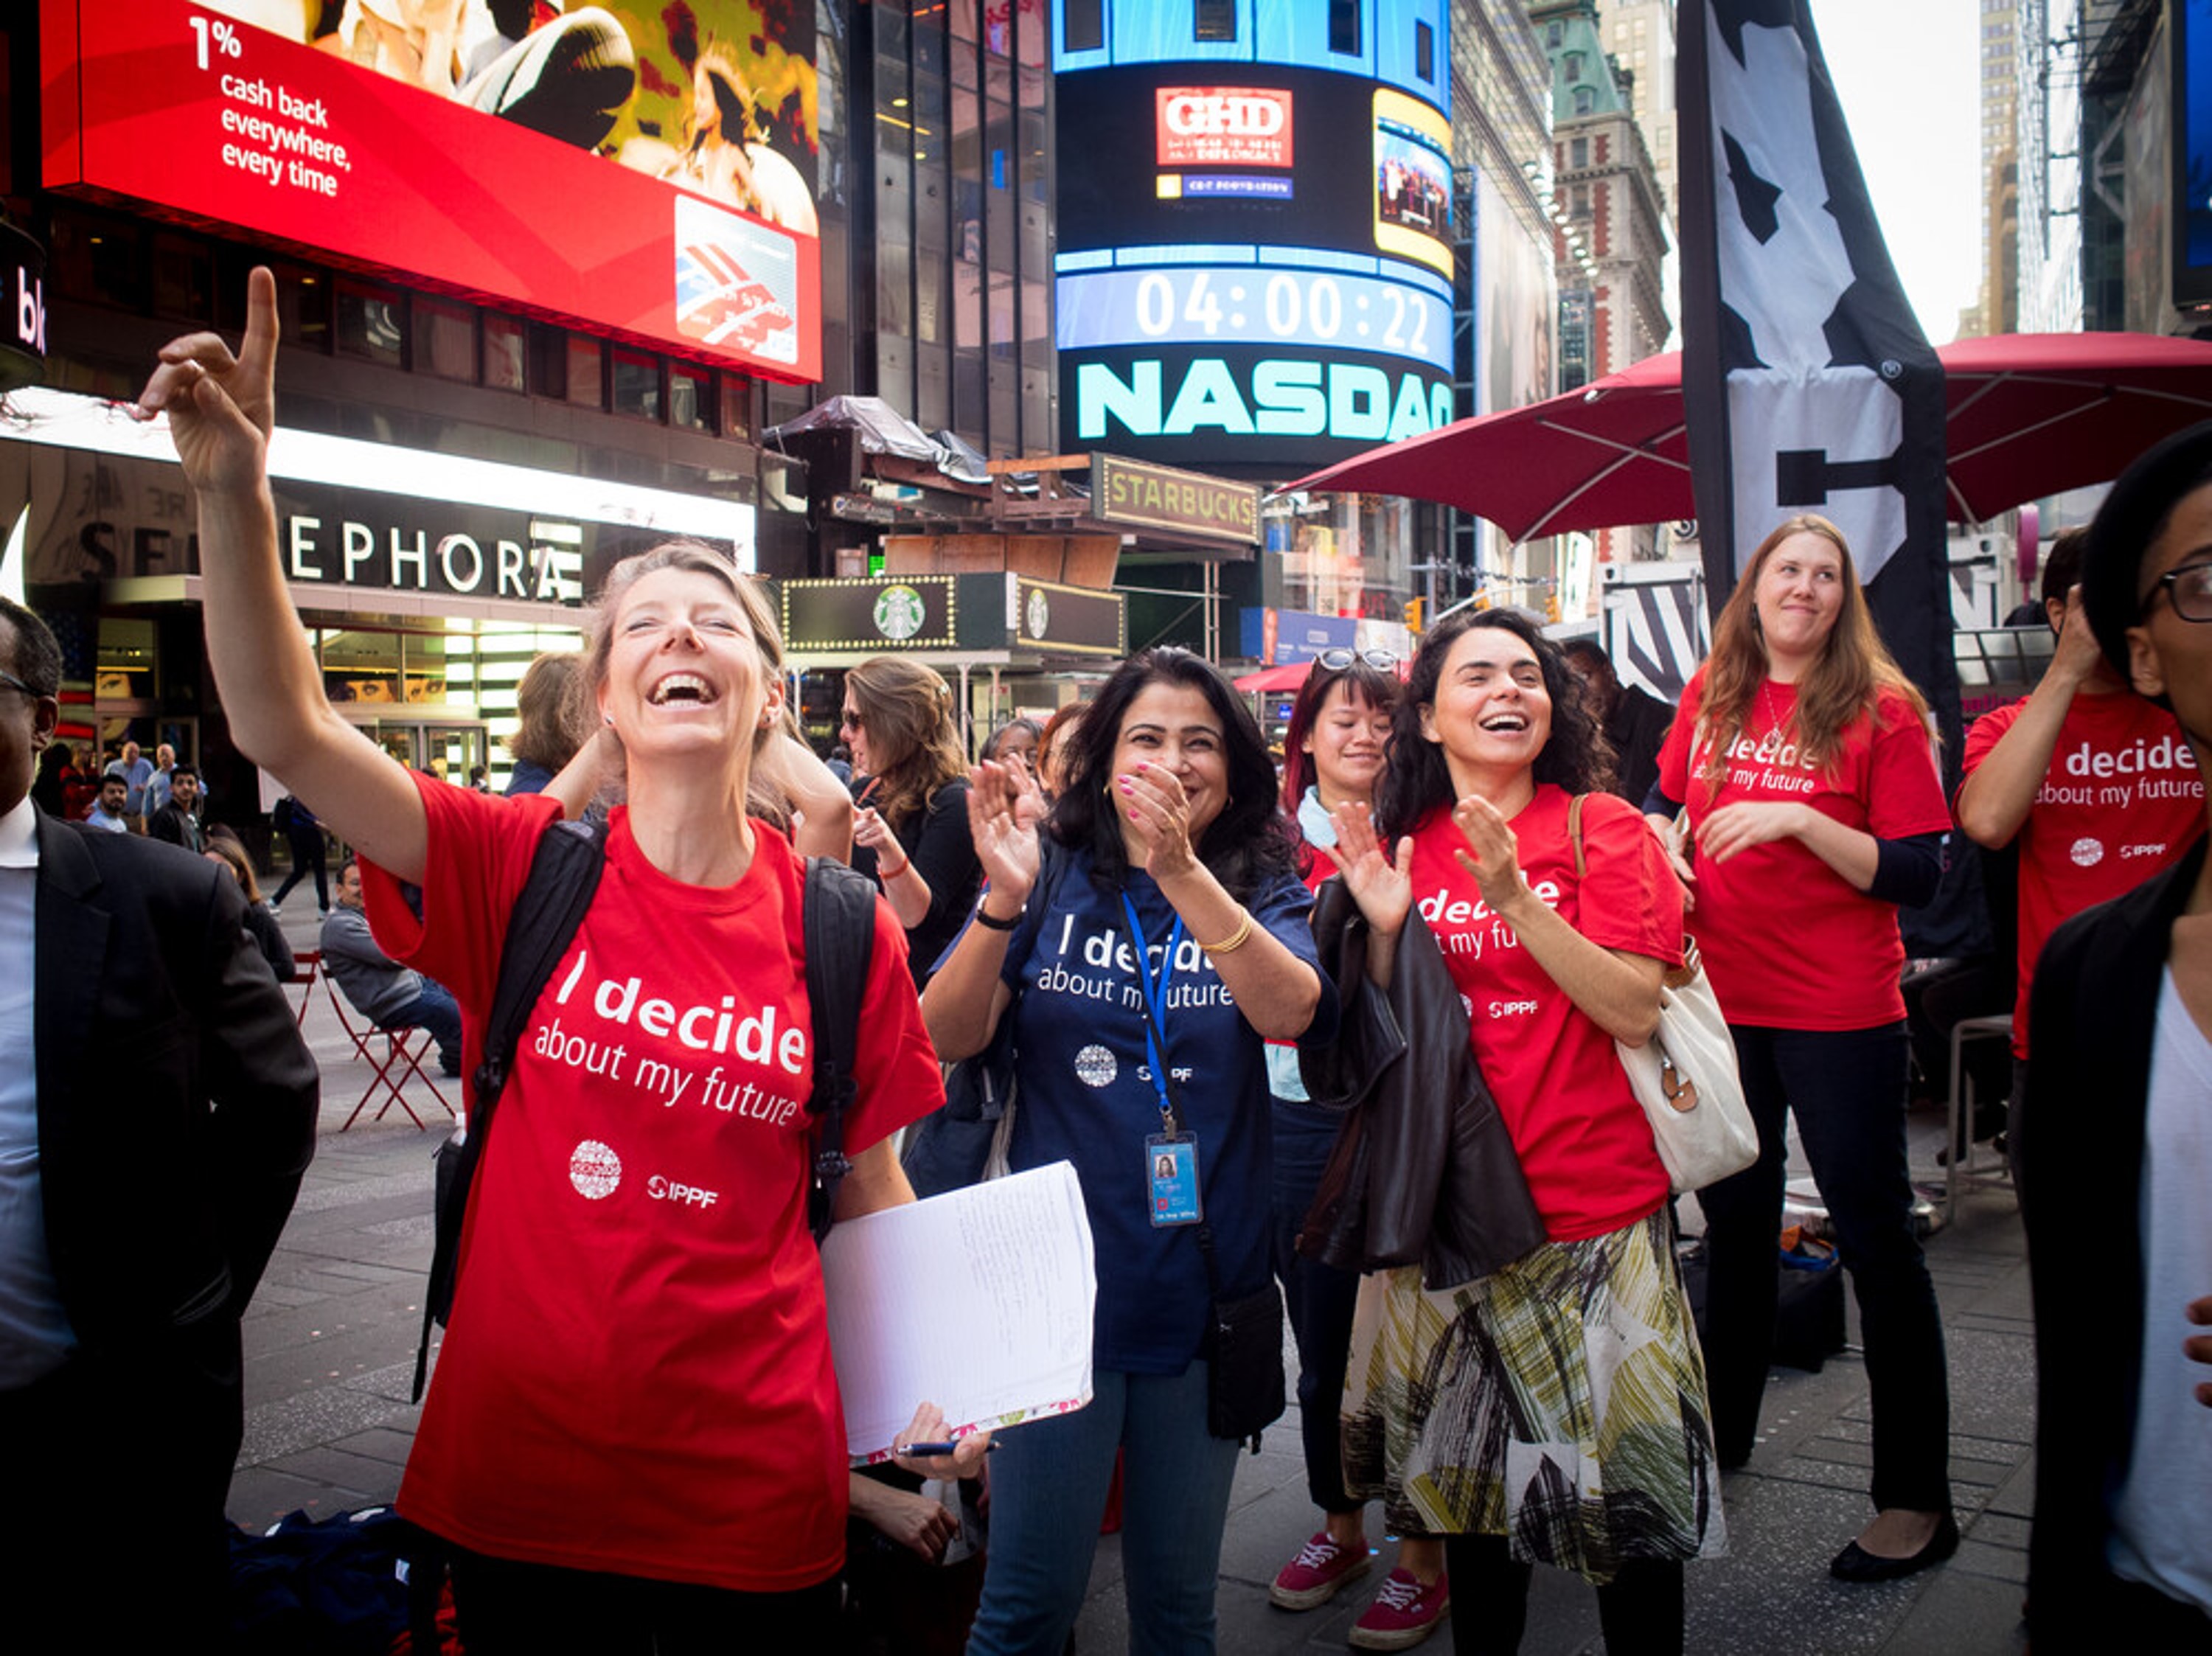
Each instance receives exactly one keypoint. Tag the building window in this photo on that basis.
(1344, 27)
(581, 378)
(372, 323)
(1578, 153)
(1571, 66)
(1424, 53)
(505, 341)
(637, 384)
(1086, 24)
(1585, 101)
(445, 339)
(690, 398)
(1214, 19)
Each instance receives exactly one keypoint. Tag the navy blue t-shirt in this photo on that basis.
(1085, 1098)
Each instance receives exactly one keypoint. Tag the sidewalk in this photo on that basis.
(329, 1348)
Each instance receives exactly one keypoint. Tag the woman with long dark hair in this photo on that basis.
(1552, 1412)
(910, 791)
(1804, 757)
(1163, 881)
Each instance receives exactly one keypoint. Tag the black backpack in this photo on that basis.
(839, 926)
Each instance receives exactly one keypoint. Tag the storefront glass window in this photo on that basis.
(504, 351)
(372, 322)
(445, 339)
(1345, 555)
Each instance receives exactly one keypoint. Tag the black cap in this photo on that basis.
(2120, 536)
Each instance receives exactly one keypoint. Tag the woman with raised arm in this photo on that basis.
(1804, 757)
(1552, 1412)
(634, 1429)
(1163, 897)
(910, 793)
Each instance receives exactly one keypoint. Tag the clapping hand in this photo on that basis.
(1381, 885)
(2198, 1347)
(1492, 853)
(1152, 799)
(1004, 829)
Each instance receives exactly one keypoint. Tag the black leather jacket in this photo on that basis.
(1424, 1170)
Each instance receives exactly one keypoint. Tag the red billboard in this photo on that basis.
(1224, 126)
(644, 173)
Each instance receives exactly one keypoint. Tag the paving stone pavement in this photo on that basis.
(330, 1345)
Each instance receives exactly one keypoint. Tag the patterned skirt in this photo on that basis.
(1559, 1403)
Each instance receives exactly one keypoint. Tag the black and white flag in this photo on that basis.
(1807, 384)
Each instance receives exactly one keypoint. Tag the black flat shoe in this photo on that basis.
(1855, 1563)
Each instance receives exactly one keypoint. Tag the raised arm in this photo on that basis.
(964, 1003)
(221, 408)
(1998, 792)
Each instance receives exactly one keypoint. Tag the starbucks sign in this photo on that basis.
(900, 613)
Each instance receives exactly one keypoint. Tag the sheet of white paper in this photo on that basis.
(978, 1300)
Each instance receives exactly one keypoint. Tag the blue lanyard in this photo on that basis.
(1155, 990)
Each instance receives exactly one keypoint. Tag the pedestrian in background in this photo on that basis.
(910, 794)
(553, 723)
(1805, 757)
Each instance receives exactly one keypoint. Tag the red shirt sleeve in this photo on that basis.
(1674, 752)
(480, 847)
(1905, 794)
(1630, 899)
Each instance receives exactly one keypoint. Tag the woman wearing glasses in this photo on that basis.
(1803, 754)
(910, 784)
(2114, 1143)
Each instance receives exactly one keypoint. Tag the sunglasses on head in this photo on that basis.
(1336, 659)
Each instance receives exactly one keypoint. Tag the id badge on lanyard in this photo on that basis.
(1171, 1157)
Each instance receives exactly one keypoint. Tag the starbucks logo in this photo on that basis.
(898, 612)
(1040, 612)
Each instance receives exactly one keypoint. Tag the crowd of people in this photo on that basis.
(1348, 1019)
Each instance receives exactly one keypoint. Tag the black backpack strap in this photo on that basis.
(564, 874)
(840, 918)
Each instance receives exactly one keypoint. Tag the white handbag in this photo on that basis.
(1685, 1076)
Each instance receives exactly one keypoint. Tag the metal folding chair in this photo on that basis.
(308, 965)
(400, 1062)
(1962, 1171)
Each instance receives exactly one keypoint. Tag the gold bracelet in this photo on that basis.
(1233, 942)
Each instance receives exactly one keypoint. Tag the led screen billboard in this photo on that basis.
(645, 173)
(2191, 25)
(1254, 264)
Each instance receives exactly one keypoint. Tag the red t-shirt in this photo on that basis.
(2122, 800)
(1584, 1143)
(1787, 941)
(637, 1376)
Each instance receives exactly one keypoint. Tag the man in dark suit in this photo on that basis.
(157, 1107)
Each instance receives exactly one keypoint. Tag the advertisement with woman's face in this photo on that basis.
(647, 171)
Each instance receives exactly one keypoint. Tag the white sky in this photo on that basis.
(1909, 73)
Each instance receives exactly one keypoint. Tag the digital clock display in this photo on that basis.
(1197, 305)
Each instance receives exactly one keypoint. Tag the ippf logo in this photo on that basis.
(1224, 126)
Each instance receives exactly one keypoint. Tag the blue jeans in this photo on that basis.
(1846, 1089)
(1049, 1482)
(1320, 1300)
(435, 1010)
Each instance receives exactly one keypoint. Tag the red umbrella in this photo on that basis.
(2035, 413)
(1288, 677)
(2030, 415)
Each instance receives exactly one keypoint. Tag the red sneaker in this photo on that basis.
(1404, 1613)
(1322, 1566)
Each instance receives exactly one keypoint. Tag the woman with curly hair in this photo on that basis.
(1803, 754)
(910, 786)
(1552, 1412)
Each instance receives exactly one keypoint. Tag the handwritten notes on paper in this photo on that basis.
(979, 1300)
